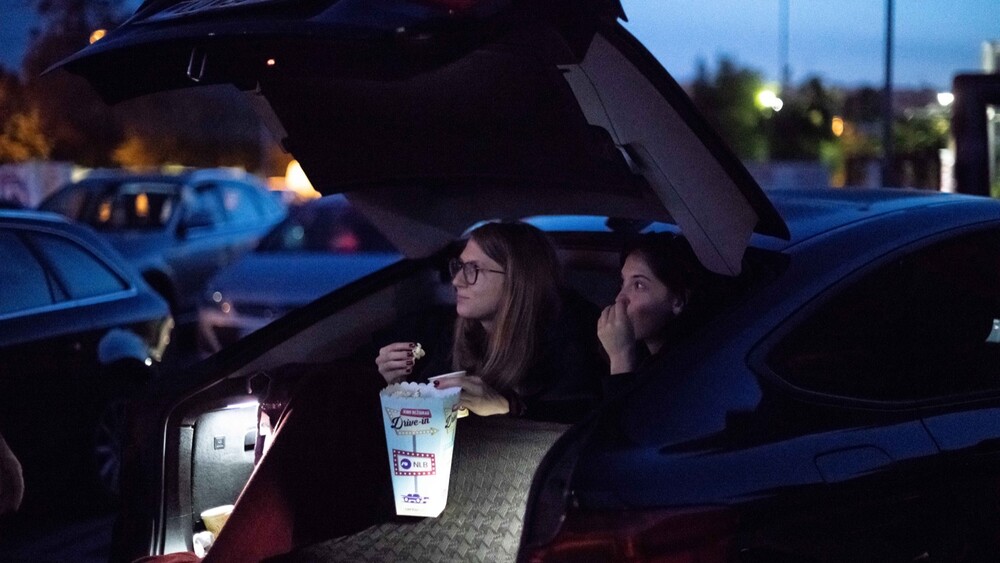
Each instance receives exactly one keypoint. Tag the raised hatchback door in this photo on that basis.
(443, 113)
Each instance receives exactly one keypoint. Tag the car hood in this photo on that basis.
(433, 114)
(286, 280)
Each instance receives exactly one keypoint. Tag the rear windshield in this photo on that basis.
(325, 228)
(119, 206)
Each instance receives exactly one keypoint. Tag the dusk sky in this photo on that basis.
(840, 41)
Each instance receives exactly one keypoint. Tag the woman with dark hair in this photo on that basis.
(661, 279)
(520, 337)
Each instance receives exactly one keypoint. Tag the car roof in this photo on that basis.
(811, 212)
(34, 217)
(105, 176)
(104, 181)
(332, 201)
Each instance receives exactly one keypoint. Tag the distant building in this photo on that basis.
(991, 65)
(25, 184)
(976, 126)
(991, 56)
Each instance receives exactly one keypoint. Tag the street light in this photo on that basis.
(767, 98)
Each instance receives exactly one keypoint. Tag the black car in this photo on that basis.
(177, 229)
(80, 331)
(840, 403)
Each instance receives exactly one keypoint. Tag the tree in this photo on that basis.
(727, 101)
(203, 127)
(863, 105)
(21, 136)
(78, 125)
(801, 130)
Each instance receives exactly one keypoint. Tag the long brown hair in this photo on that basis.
(529, 300)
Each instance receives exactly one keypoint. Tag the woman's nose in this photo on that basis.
(458, 280)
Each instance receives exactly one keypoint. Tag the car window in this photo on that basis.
(69, 201)
(924, 325)
(126, 206)
(25, 283)
(242, 205)
(205, 204)
(137, 206)
(81, 274)
(336, 229)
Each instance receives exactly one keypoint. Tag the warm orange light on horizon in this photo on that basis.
(296, 180)
(97, 35)
(837, 125)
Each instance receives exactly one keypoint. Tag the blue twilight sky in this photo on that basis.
(840, 41)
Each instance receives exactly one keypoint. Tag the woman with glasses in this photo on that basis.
(526, 344)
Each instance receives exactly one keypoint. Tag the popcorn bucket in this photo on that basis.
(420, 435)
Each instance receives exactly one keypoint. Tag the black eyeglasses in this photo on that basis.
(470, 271)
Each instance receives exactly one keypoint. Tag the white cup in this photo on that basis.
(215, 518)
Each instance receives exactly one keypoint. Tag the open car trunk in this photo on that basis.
(324, 485)
(323, 491)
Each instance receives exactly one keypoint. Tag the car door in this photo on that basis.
(59, 302)
(202, 241)
(967, 426)
(246, 219)
(905, 361)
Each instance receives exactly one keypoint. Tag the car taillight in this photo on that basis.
(692, 535)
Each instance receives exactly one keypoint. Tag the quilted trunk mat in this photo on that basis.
(495, 460)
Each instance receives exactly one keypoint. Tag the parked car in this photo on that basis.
(178, 230)
(323, 244)
(840, 405)
(79, 332)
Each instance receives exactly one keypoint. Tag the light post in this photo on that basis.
(887, 149)
(786, 73)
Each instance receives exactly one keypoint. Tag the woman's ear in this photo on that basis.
(679, 302)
